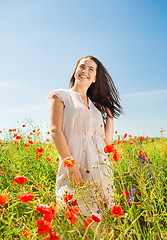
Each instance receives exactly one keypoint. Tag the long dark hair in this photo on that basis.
(103, 92)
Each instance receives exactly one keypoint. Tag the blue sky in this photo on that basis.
(41, 41)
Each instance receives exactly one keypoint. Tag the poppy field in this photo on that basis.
(28, 208)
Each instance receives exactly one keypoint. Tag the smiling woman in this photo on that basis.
(81, 121)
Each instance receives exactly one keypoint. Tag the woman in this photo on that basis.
(81, 121)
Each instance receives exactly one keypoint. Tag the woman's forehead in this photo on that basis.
(88, 62)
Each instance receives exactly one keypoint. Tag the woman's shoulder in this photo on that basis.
(61, 93)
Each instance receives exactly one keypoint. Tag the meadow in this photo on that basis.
(28, 208)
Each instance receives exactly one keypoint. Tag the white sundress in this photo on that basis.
(83, 128)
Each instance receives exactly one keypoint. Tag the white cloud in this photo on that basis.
(156, 95)
(26, 109)
(17, 86)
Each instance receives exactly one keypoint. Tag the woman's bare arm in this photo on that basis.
(56, 126)
(109, 129)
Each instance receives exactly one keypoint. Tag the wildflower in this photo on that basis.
(133, 189)
(27, 144)
(116, 211)
(40, 150)
(142, 154)
(25, 233)
(42, 208)
(152, 179)
(126, 193)
(3, 198)
(70, 215)
(1, 172)
(47, 140)
(73, 209)
(23, 125)
(69, 162)
(53, 236)
(110, 148)
(96, 217)
(139, 193)
(116, 156)
(26, 197)
(47, 211)
(89, 222)
(125, 135)
(19, 180)
(48, 159)
(18, 137)
(44, 227)
(68, 197)
(31, 142)
(130, 199)
(38, 154)
(51, 214)
(74, 203)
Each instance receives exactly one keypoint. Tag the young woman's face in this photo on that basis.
(86, 72)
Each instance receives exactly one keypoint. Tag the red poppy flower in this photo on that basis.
(89, 222)
(73, 209)
(110, 148)
(26, 197)
(40, 150)
(48, 132)
(1, 172)
(126, 193)
(15, 135)
(53, 236)
(69, 162)
(142, 154)
(25, 233)
(47, 140)
(44, 227)
(19, 180)
(27, 144)
(49, 216)
(68, 197)
(139, 193)
(116, 211)
(3, 198)
(24, 125)
(48, 159)
(18, 137)
(71, 216)
(125, 135)
(96, 217)
(42, 208)
(38, 154)
(116, 156)
(74, 203)
(30, 141)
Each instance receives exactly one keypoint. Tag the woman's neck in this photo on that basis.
(81, 91)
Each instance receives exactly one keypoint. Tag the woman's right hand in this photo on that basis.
(75, 176)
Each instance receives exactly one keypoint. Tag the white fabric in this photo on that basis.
(83, 129)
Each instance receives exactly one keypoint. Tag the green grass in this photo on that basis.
(143, 218)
